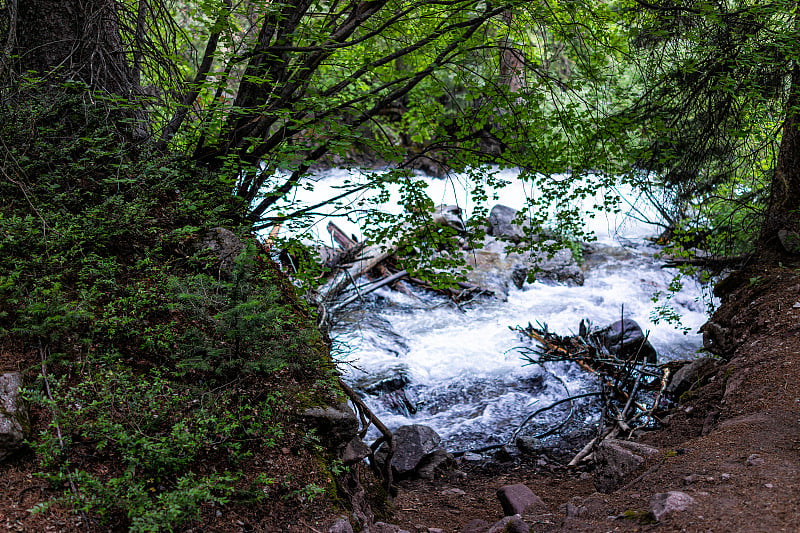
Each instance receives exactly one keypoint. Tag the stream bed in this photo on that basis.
(419, 359)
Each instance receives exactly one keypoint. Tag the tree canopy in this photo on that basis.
(689, 100)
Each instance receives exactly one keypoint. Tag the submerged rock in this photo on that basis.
(496, 266)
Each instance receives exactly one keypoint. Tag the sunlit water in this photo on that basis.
(420, 360)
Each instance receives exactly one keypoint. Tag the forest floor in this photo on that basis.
(733, 445)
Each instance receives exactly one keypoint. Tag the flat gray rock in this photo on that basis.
(616, 460)
(666, 503)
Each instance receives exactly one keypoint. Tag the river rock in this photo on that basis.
(411, 445)
(561, 266)
(666, 503)
(337, 425)
(384, 381)
(450, 216)
(435, 464)
(389, 387)
(354, 452)
(515, 499)
(510, 524)
(530, 445)
(718, 339)
(689, 375)
(519, 274)
(377, 331)
(496, 268)
(624, 338)
(615, 460)
(502, 225)
(12, 413)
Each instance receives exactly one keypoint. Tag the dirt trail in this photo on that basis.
(733, 444)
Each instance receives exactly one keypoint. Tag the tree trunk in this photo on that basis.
(512, 60)
(74, 40)
(781, 226)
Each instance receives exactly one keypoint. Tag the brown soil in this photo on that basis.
(733, 444)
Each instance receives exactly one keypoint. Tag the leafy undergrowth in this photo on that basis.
(164, 382)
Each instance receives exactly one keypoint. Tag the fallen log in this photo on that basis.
(340, 237)
(368, 259)
(362, 291)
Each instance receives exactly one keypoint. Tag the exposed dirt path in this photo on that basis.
(733, 445)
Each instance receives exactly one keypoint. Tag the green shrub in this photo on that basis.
(155, 361)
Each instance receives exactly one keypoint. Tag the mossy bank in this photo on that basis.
(165, 357)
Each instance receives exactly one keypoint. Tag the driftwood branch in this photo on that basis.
(372, 287)
(630, 380)
(714, 264)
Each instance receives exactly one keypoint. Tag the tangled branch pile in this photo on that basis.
(631, 384)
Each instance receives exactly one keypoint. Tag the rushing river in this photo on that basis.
(420, 360)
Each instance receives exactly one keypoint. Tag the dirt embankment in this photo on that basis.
(732, 445)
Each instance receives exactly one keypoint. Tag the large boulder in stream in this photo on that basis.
(388, 387)
(625, 339)
(450, 216)
(502, 224)
(560, 267)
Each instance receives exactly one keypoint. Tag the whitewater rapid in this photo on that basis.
(420, 360)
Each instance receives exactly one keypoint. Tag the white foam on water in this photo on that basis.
(465, 378)
(456, 190)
